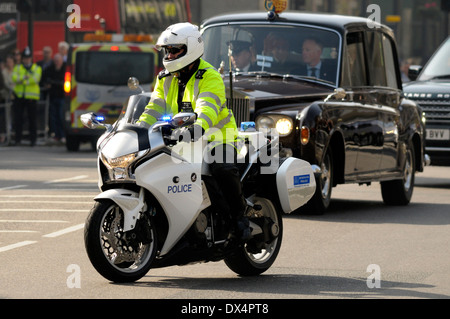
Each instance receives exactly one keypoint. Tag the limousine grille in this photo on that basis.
(241, 110)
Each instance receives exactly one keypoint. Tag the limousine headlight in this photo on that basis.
(282, 124)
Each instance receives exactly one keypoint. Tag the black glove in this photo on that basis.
(188, 134)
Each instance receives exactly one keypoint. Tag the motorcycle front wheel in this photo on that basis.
(117, 255)
(245, 263)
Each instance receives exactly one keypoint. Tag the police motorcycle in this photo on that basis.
(160, 207)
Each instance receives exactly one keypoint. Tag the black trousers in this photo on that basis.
(222, 161)
(22, 106)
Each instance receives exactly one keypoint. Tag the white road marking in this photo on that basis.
(46, 196)
(31, 221)
(42, 202)
(64, 231)
(66, 179)
(17, 245)
(42, 210)
(13, 187)
(18, 231)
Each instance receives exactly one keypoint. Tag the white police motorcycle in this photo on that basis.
(160, 207)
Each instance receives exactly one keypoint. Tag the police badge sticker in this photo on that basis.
(186, 107)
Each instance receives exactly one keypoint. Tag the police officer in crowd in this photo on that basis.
(26, 77)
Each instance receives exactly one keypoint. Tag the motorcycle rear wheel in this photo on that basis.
(117, 255)
(245, 263)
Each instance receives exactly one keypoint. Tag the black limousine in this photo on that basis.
(330, 86)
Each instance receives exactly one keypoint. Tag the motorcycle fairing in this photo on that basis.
(129, 201)
(172, 185)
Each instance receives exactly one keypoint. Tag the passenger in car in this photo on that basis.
(314, 66)
(242, 56)
(277, 46)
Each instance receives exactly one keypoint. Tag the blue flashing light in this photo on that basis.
(166, 118)
(100, 118)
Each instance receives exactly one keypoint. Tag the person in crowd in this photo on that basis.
(46, 61)
(7, 73)
(3, 100)
(7, 93)
(26, 77)
(17, 56)
(63, 49)
(53, 82)
(404, 67)
(3, 87)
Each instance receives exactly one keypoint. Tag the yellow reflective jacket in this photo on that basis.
(204, 93)
(27, 81)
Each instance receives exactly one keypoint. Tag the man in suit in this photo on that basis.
(314, 66)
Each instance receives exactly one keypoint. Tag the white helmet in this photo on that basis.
(181, 34)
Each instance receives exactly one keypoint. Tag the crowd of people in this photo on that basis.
(23, 83)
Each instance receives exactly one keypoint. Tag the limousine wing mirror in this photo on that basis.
(414, 71)
(338, 93)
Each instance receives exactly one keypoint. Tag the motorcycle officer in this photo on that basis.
(190, 84)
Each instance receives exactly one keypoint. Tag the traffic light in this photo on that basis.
(445, 5)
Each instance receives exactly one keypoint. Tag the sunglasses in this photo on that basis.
(174, 49)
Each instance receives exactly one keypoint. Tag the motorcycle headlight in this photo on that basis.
(120, 161)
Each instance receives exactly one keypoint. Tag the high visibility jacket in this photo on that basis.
(204, 93)
(27, 81)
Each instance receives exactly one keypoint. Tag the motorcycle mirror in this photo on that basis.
(183, 119)
(90, 120)
(133, 84)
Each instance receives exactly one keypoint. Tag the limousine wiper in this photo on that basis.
(312, 78)
(284, 76)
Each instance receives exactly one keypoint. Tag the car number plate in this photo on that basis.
(438, 134)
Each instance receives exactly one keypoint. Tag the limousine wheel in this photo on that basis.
(399, 192)
(321, 200)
